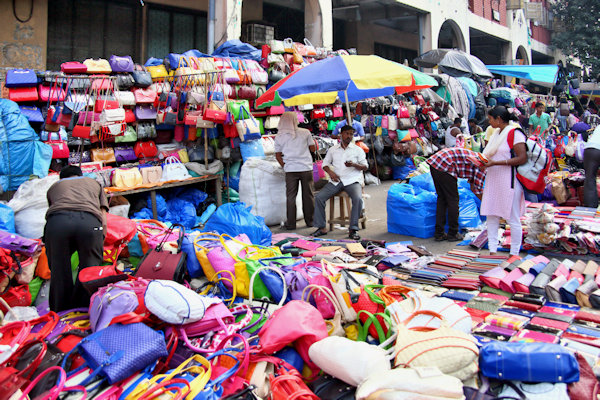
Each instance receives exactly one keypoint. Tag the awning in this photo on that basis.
(545, 74)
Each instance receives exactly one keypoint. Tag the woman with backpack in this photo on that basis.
(503, 194)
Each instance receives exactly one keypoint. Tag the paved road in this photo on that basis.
(377, 223)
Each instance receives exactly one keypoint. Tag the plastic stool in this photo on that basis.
(345, 210)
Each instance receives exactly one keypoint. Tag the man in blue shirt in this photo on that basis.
(359, 131)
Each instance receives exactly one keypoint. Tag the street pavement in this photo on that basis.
(376, 211)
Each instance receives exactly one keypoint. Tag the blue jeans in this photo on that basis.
(331, 189)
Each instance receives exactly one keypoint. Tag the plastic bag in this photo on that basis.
(403, 171)
(234, 175)
(7, 218)
(468, 209)
(252, 149)
(423, 181)
(182, 212)
(411, 211)
(236, 218)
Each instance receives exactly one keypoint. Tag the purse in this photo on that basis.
(97, 66)
(455, 353)
(129, 136)
(78, 157)
(174, 170)
(23, 94)
(60, 149)
(125, 154)
(126, 98)
(531, 362)
(151, 175)
(121, 63)
(104, 155)
(32, 113)
(144, 96)
(159, 264)
(145, 149)
(143, 78)
(146, 130)
(247, 128)
(20, 78)
(73, 67)
(145, 112)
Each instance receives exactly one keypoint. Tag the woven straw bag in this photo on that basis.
(453, 352)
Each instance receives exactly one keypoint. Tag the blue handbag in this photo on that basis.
(32, 113)
(112, 354)
(20, 78)
(528, 362)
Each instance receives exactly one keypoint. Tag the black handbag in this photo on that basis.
(330, 388)
(244, 394)
(125, 81)
(158, 264)
(141, 77)
(146, 130)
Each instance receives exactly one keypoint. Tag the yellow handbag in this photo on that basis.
(183, 156)
(201, 252)
(242, 274)
(97, 66)
(195, 365)
(104, 155)
(158, 71)
(127, 178)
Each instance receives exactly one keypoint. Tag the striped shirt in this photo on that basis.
(455, 161)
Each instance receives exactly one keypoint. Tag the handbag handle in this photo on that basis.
(363, 330)
(179, 240)
(54, 392)
(423, 312)
(325, 290)
(385, 293)
(278, 272)
(28, 371)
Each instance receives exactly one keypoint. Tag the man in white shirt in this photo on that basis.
(344, 163)
(293, 146)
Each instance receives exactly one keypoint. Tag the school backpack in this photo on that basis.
(532, 174)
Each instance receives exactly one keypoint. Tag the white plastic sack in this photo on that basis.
(262, 186)
(176, 304)
(347, 360)
(121, 211)
(30, 206)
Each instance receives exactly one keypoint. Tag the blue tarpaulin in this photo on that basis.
(237, 49)
(535, 73)
(22, 154)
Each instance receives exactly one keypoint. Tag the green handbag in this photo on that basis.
(129, 136)
(363, 330)
(331, 125)
(234, 106)
(254, 253)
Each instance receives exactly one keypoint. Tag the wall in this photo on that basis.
(23, 44)
(367, 34)
(483, 8)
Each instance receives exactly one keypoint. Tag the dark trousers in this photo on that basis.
(591, 163)
(292, 181)
(447, 201)
(354, 191)
(65, 233)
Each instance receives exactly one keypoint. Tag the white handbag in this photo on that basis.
(277, 46)
(174, 170)
(392, 123)
(259, 76)
(350, 361)
(126, 98)
(112, 116)
(272, 122)
(410, 384)
(268, 145)
(174, 303)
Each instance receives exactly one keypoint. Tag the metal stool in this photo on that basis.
(345, 210)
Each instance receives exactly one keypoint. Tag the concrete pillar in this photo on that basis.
(318, 23)
(229, 21)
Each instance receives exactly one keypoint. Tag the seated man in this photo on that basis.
(344, 163)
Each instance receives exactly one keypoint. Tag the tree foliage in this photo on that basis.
(579, 33)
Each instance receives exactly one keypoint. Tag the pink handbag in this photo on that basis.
(222, 257)
(297, 323)
(384, 122)
(144, 96)
(337, 111)
(276, 110)
(51, 93)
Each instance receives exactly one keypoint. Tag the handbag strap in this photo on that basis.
(278, 272)
(386, 293)
(60, 384)
(363, 329)
(311, 288)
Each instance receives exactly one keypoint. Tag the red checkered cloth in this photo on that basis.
(455, 161)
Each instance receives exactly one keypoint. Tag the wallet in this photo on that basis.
(420, 251)
(527, 336)
(556, 317)
(529, 298)
(588, 315)
(518, 311)
(549, 323)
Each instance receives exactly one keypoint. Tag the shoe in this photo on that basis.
(318, 233)
(353, 235)
(440, 238)
(455, 238)
(287, 228)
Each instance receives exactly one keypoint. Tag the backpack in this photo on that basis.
(532, 174)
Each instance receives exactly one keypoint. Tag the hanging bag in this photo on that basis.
(247, 127)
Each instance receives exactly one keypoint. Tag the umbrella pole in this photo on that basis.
(348, 117)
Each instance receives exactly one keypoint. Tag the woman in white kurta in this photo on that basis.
(503, 193)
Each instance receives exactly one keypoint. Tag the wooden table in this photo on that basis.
(186, 182)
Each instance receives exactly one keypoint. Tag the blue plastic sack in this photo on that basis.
(182, 212)
(193, 265)
(234, 175)
(252, 149)
(423, 181)
(411, 211)
(468, 209)
(7, 219)
(194, 196)
(152, 62)
(402, 172)
(236, 218)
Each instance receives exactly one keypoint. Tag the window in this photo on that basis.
(395, 53)
(175, 31)
(80, 29)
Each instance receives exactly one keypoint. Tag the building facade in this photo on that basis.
(44, 33)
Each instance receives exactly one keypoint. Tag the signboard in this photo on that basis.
(514, 4)
(534, 11)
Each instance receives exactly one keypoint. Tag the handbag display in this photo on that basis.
(159, 264)
(174, 170)
(97, 66)
(121, 63)
(104, 155)
(126, 177)
(455, 353)
(247, 127)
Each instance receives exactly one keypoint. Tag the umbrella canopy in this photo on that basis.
(543, 74)
(358, 77)
(454, 63)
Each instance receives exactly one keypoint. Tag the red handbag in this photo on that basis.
(93, 278)
(317, 113)
(105, 104)
(73, 67)
(246, 92)
(287, 383)
(129, 116)
(403, 111)
(230, 131)
(59, 148)
(145, 149)
(587, 387)
(17, 296)
(53, 93)
(419, 99)
(144, 96)
(23, 94)
(80, 131)
(218, 116)
(100, 82)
